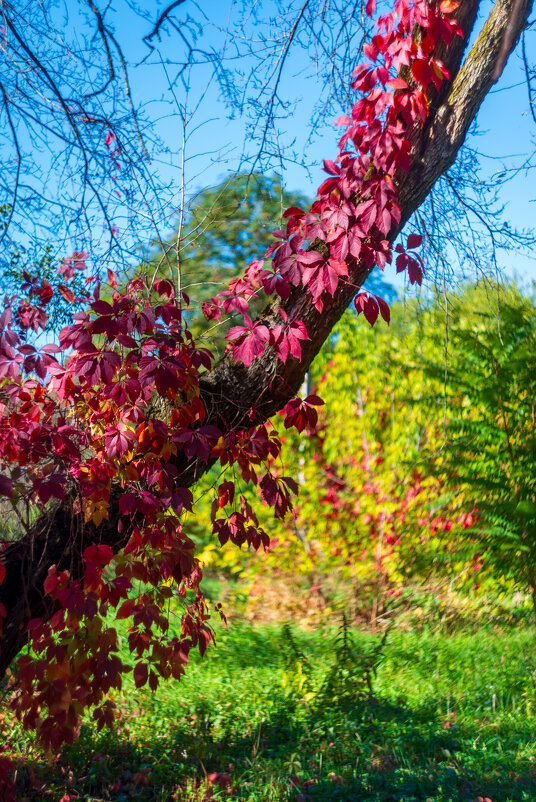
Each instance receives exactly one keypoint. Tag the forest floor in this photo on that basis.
(278, 714)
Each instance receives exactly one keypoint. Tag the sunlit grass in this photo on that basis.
(453, 717)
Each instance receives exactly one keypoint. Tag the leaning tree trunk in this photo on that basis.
(231, 390)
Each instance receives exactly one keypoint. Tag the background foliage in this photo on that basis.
(419, 472)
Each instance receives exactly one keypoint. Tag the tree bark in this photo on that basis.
(231, 390)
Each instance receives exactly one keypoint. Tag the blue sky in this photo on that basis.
(507, 135)
(217, 140)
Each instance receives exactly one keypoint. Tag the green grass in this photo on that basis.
(453, 717)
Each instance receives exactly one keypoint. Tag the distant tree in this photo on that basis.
(225, 228)
(370, 519)
(489, 402)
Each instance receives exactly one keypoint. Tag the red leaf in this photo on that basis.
(397, 83)
(368, 305)
(315, 400)
(126, 503)
(421, 71)
(126, 609)
(51, 582)
(53, 488)
(414, 272)
(292, 211)
(371, 310)
(414, 240)
(371, 51)
(102, 308)
(368, 212)
(331, 168)
(205, 636)
(140, 674)
(66, 293)
(291, 484)
(79, 260)
(384, 309)
(101, 554)
(6, 486)
(153, 680)
(251, 342)
(165, 288)
(50, 349)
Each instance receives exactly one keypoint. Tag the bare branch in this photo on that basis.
(104, 37)
(19, 160)
(163, 16)
(510, 36)
(528, 77)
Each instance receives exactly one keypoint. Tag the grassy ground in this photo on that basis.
(452, 717)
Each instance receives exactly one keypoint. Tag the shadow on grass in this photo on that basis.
(372, 751)
(406, 754)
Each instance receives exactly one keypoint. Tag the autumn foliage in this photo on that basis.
(112, 411)
(380, 519)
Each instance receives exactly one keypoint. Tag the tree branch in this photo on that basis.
(467, 89)
(163, 16)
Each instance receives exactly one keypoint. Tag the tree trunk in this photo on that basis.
(231, 390)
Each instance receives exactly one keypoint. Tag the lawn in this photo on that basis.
(273, 714)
